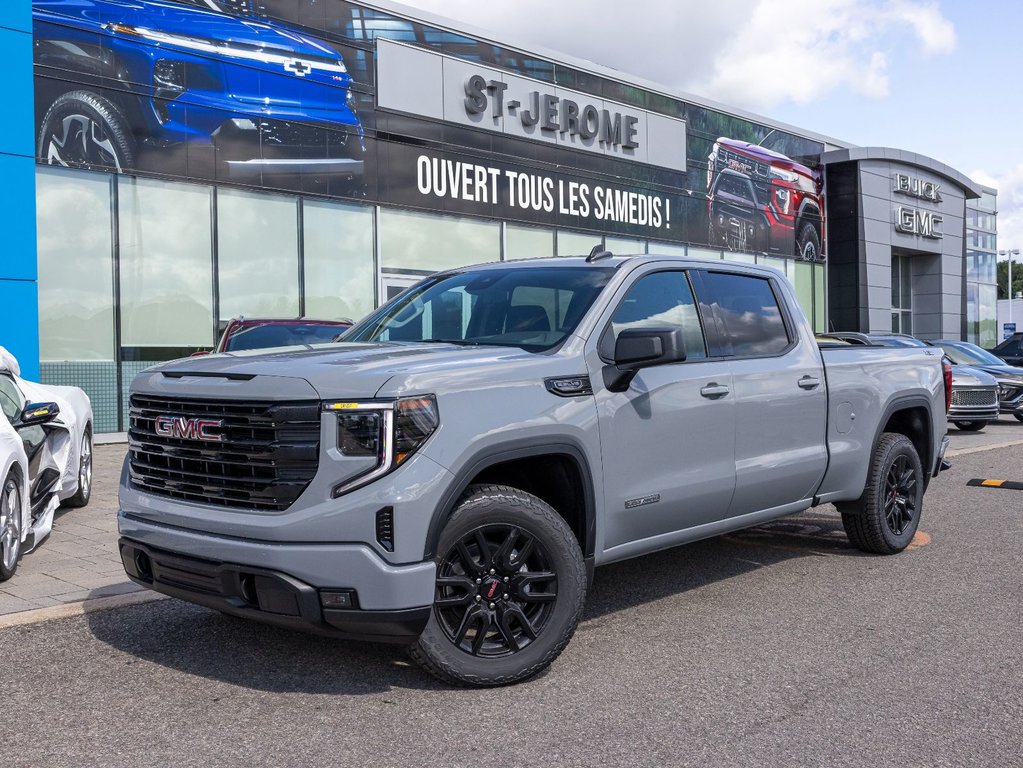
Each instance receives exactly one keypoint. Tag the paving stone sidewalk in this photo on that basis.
(79, 560)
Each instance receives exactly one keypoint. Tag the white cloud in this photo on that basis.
(751, 53)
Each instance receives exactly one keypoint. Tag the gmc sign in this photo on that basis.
(190, 428)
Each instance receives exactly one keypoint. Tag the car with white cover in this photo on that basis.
(45, 459)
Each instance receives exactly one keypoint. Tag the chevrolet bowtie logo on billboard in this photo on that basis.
(185, 428)
(552, 113)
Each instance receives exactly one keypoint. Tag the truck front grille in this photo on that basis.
(267, 453)
(974, 397)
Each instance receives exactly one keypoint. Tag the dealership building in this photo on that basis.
(171, 164)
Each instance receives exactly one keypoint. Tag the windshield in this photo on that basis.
(534, 308)
(266, 336)
(966, 354)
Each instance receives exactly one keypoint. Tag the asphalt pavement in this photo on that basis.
(777, 646)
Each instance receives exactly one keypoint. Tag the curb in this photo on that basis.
(982, 448)
(81, 608)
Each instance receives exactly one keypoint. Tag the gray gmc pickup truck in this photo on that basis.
(449, 475)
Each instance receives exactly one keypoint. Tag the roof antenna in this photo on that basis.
(598, 253)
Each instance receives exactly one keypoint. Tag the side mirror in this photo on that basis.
(38, 413)
(638, 348)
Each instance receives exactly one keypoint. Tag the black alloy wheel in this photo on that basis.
(495, 591)
(510, 589)
(900, 496)
(10, 527)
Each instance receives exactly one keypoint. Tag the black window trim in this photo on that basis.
(602, 340)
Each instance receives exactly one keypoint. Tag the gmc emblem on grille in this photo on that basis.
(190, 429)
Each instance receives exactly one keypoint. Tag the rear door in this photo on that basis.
(778, 388)
(668, 441)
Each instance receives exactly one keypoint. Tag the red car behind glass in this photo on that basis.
(243, 333)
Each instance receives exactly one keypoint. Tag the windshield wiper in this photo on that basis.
(459, 342)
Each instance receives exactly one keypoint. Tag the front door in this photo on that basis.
(668, 441)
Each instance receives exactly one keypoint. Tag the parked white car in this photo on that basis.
(45, 459)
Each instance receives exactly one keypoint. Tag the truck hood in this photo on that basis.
(966, 376)
(765, 155)
(346, 370)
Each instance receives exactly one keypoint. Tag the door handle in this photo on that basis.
(714, 390)
(809, 382)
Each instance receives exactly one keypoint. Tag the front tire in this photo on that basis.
(511, 584)
(84, 492)
(10, 527)
(84, 130)
(886, 517)
(970, 426)
(808, 243)
(1019, 416)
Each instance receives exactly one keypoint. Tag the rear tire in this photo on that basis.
(511, 584)
(970, 426)
(10, 526)
(84, 492)
(884, 520)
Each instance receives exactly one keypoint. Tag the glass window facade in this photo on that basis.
(425, 242)
(902, 294)
(137, 271)
(982, 270)
(257, 254)
(76, 287)
(527, 242)
(339, 275)
(166, 288)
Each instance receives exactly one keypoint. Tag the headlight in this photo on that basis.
(389, 431)
(790, 176)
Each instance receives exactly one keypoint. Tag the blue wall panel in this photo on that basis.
(19, 298)
(18, 214)
(19, 324)
(16, 14)
(18, 134)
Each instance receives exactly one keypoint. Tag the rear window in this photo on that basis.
(749, 311)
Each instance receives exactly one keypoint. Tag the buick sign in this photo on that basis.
(190, 429)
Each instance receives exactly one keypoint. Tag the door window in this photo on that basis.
(662, 299)
(749, 312)
(11, 399)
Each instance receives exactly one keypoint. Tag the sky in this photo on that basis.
(941, 78)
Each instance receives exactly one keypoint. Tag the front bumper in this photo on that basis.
(282, 584)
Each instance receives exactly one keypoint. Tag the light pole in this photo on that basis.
(1010, 253)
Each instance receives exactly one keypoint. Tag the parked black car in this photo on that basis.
(1011, 350)
(1009, 377)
